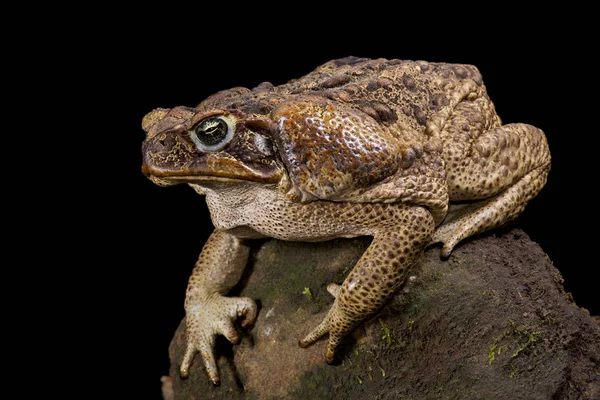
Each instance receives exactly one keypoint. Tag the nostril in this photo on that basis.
(163, 143)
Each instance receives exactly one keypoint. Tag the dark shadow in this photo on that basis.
(225, 349)
(255, 246)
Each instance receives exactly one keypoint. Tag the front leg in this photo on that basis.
(398, 243)
(208, 312)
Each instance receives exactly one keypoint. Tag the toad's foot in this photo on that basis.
(338, 323)
(206, 320)
(323, 328)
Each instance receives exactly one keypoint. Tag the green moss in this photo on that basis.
(492, 353)
(437, 282)
(314, 300)
(525, 339)
(308, 294)
(457, 260)
(387, 332)
(495, 350)
(529, 336)
(531, 339)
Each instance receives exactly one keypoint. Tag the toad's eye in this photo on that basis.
(213, 133)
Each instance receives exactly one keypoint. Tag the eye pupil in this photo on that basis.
(211, 131)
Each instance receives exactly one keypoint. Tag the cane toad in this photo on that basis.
(356, 147)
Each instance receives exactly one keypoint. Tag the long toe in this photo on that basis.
(315, 334)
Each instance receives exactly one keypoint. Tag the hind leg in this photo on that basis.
(504, 168)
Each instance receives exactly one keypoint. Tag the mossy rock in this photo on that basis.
(492, 322)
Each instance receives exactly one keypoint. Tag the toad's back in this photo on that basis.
(400, 92)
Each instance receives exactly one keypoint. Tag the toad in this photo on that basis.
(409, 153)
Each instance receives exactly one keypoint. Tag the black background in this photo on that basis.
(157, 233)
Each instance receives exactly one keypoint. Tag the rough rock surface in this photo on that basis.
(492, 322)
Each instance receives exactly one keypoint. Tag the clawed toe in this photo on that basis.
(334, 289)
(315, 334)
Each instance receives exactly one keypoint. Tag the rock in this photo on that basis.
(491, 322)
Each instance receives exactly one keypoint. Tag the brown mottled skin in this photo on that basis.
(357, 147)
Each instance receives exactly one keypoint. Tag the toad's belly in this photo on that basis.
(312, 222)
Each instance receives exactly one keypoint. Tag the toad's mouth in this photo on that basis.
(217, 170)
(175, 180)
